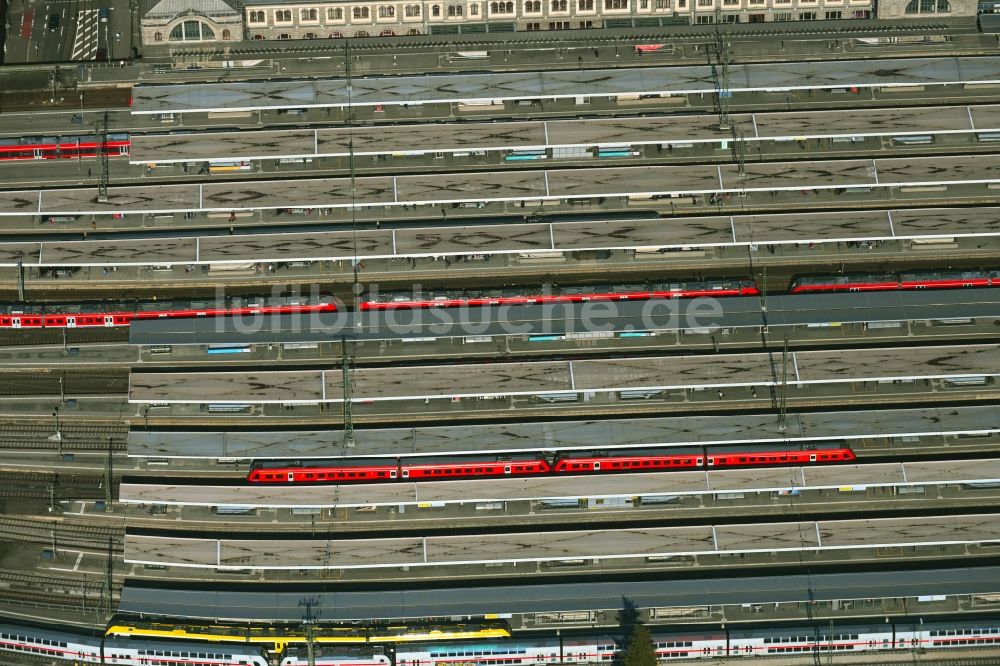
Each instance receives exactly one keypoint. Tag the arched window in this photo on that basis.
(308, 15)
(190, 31)
(473, 10)
(386, 11)
(226, 34)
(335, 14)
(361, 33)
(508, 7)
(928, 7)
(360, 13)
(158, 37)
(436, 11)
(283, 16)
(455, 11)
(494, 7)
(413, 31)
(412, 11)
(258, 16)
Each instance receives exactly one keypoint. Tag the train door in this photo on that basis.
(291, 477)
(406, 473)
(597, 466)
(38, 153)
(70, 322)
(392, 474)
(15, 322)
(812, 457)
(109, 321)
(699, 461)
(711, 462)
(506, 469)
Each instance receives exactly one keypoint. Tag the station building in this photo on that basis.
(177, 21)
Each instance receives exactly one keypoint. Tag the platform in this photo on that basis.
(555, 377)
(548, 546)
(537, 185)
(535, 134)
(482, 88)
(513, 238)
(556, 436)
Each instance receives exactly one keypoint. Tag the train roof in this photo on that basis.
(44, 632)
(510, 597)
(111, 643)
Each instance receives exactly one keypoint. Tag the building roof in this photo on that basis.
(172, 8)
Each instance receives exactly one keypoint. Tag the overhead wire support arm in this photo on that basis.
(102, 154)
(348, 393)
(355, 284)
(720, 70)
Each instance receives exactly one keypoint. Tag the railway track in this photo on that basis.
(53, 336)
(75, 436)
(63, 382)
(93, 98)
(83, 594)
(43, 530)
(53, 486)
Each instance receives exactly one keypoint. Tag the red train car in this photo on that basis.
(116, 144)
(110, 315)
(415, 469)
(762, 455)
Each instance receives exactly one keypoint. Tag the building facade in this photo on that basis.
(273, 19)
(177, 21)
(180, 21)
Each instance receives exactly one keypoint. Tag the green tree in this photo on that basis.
(640, 651)
(628, 620)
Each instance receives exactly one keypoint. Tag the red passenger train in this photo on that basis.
(62, 147)
(113, 315)
(381, 470)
